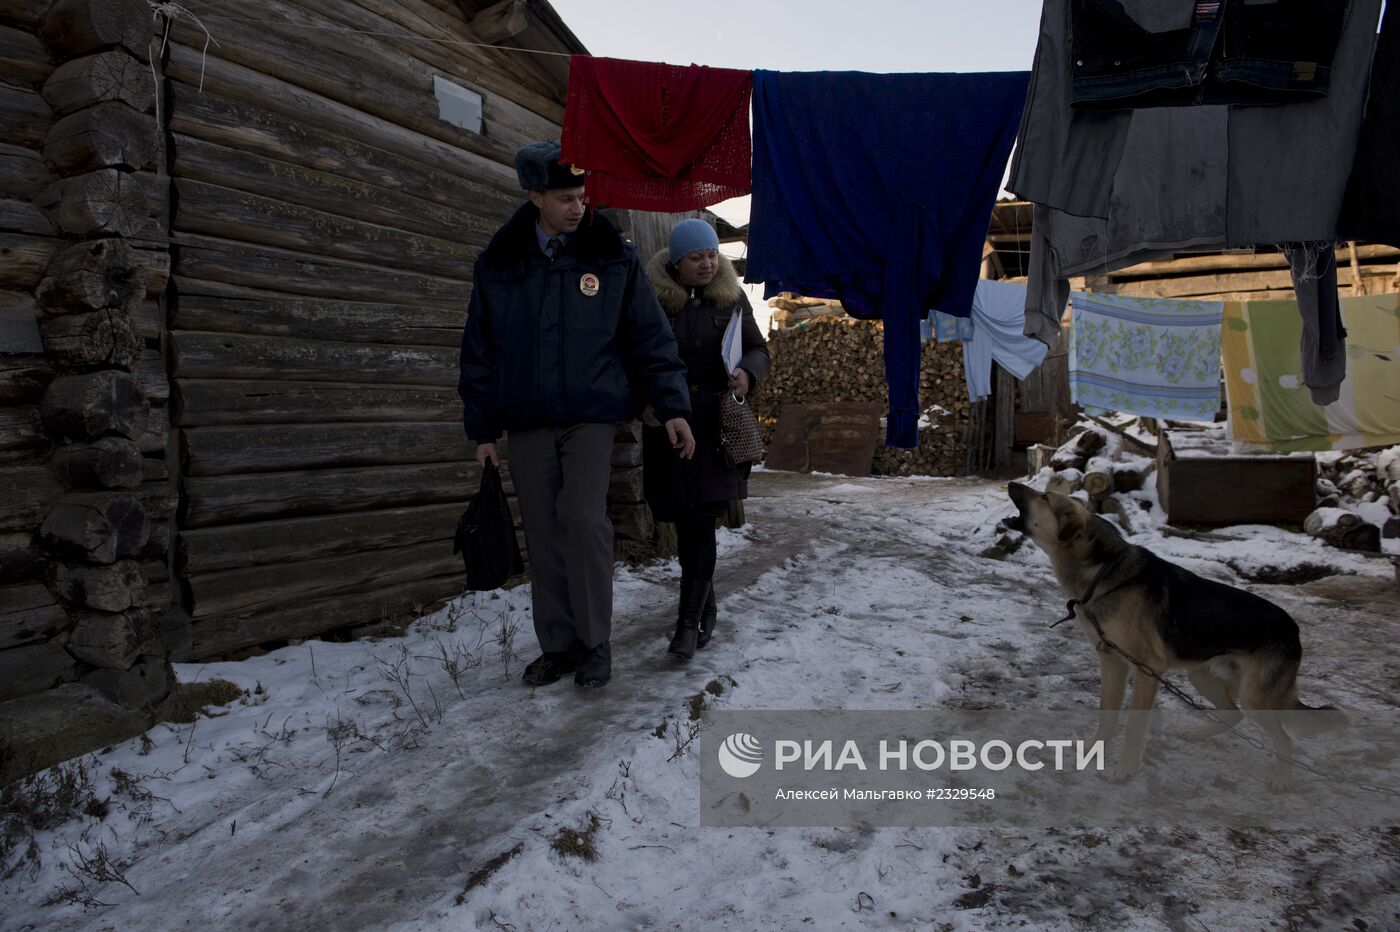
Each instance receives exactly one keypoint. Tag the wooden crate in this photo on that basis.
(837, 437)
(1200, 482)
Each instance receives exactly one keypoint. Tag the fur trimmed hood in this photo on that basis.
(722, 292)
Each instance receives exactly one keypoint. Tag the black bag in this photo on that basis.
(486, 536)
(739, 432)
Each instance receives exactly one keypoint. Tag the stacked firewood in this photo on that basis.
(1358, 498)
(836, 359)
(1099, 461)
(790, 309)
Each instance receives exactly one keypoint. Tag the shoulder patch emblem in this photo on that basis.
(588, 284)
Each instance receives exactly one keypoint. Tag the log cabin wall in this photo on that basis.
(325, 223)
(84, 522)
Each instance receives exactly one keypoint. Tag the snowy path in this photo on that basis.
(840, 594)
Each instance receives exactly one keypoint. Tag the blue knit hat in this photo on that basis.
(690, 236)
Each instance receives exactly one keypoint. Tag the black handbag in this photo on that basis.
(486, 536)
(738, 430)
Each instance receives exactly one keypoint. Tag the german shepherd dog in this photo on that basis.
(1234, 646)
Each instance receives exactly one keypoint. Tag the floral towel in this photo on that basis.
(1271, 408)
(1147, 356)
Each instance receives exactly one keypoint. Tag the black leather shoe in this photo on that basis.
(549, 667)
(708, 619)
(594, 666)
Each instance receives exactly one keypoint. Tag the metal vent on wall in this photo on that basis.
(457, 105)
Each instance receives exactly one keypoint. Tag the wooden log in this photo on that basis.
(153, 265)
(223, 212)
(1343, 529)
(213, 636)
(332, 100)
(212, 355)
(205, 403)
(114, 587)
(244, 126)
(79, 27)
(100, 527)
(216, 307)
(1129, 477)
(113, 76)
(109, 463)
(20, 428)
(23, 58)
(503, 20)
(27, 12)
(19, 332)
(20, 216)
(262, 587)
(1098, 477)
(216, 451)
(30, 491)
(91, 275)
(301, 273)
(147, 319)
(29, 615)
(34, 668)
(20, 559)
(98, 338)
(22, 172)
(25, 117)
(228, 499)
(23, 259)
(105, 201)
(94, 405)
(1231, 261)
(150, 372)
(1075, 453)
(156, 437)
(1066, 481)
(233, 168)
(369, 75)
(108, 135)
(106, 640)
(208, 550)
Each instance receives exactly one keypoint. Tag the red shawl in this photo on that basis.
(658, 137)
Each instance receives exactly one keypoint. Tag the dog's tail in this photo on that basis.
(1309, 720)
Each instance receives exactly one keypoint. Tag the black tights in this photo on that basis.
(695, 536)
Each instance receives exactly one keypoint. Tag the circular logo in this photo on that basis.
(740, 755)
(588, 284)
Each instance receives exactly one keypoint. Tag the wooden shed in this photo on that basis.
(236, 244)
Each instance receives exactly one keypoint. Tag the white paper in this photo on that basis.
(732, 349)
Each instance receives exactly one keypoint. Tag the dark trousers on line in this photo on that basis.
(561, 481)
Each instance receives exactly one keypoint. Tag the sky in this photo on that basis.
(813, 35)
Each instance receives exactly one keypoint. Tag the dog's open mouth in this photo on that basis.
(1016, 522)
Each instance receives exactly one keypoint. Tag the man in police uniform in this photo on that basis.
(564, 339)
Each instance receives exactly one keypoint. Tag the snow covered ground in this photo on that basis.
(415, 783)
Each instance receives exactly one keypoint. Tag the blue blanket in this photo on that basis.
(876, 190)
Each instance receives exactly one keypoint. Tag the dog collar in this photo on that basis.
(1088, 593)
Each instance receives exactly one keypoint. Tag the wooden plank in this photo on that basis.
(503, 20)
(257, 266)
(228, 356)
(219, 402)
(247, 127)
(838, 437)
(25, 117)
(228, 499)
(333, 194)
(19, 215)
(223, 212)
(24, 378)
(259, 588)
(213, 636)
(216, 451)
(23, 58)
(208, 550)
(214, 306)
(1192, 285)
(1225, 490)
(1263, 259)
(20, 428)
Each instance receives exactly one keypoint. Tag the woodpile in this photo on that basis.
(790, 309)
(1358, 499)
(833, 359)
(1102, 461)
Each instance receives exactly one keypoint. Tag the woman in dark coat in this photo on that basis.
(700, 292)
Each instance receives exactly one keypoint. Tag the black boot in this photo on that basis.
(708, 618)
(693, 593)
